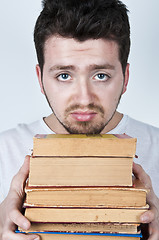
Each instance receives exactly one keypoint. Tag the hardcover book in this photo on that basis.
(82, 215)
(115, 197)
(85, 227)
(80, 171)
(86, 236)
(116, 145)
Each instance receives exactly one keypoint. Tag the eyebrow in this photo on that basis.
(61, 67)
(90, 67)
(103, 66)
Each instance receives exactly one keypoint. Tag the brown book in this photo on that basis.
(81, 215)
(116, 145)
(47, 236)
(114, 197)
(80, 171)
(84, 227)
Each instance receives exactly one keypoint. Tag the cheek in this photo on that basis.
(58, 99)
(110, 97)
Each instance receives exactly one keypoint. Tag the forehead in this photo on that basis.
(57, 48)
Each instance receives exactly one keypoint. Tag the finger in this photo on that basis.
(19, 236)
(142, 175)
(18, 219)
(154, 226)
(154, 236)
(148, 216)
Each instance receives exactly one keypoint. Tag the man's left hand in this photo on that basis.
(151, 217)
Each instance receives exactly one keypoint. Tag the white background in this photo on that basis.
(20, 96)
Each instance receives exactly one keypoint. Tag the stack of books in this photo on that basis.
(81, 187)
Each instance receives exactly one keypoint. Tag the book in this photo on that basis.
(84, 227)
(80, 171)
(115, 197)
(86, 236)
(116, 145)
(84, 215)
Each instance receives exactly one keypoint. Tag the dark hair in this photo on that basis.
(82, 20)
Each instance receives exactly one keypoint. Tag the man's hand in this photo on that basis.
(10, 209)
(151, 217)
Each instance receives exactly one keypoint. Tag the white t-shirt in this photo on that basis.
(16, 143)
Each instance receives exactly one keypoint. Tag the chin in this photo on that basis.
(84, 128)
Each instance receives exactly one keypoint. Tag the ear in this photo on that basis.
(126, 78)
(38, 73)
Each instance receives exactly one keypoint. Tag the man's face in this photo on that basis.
(83, 82)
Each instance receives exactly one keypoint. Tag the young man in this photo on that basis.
(82, 49)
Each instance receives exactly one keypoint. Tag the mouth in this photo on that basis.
(83, 116)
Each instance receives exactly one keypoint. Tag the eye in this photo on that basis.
(101, 77)
(63, 77)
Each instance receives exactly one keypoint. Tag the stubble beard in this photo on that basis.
(81, 127)
(84, 127)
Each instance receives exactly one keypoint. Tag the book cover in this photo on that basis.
(88, 236)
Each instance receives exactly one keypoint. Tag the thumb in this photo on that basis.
(15, 198)
(146, 180)
(24, 170)
(19, 180)
(139, 173)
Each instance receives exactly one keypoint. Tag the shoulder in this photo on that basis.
(147, 147)
(19, 137)
(142, 130)
(21, 129)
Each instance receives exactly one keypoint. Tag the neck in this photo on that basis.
(113, 122)
(52, 122)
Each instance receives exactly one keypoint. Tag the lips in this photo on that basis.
(83, 116)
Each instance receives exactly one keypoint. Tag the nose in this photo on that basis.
(84, 93)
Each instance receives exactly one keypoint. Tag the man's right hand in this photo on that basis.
(10, 208)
